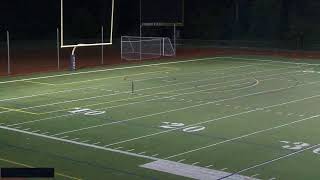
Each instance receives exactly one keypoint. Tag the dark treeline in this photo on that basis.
(253, 19)
(204, 19)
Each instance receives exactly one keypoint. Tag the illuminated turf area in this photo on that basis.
(255, 117)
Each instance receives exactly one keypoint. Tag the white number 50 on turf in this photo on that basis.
(183, 127)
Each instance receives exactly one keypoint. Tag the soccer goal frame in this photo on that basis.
(141, 48)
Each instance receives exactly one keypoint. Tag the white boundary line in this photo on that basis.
(150, 65)
(78, 143)
(150, 157)
(112, 69)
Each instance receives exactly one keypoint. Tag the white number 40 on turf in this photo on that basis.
(86, 112)
(298, 146)
(183, 127)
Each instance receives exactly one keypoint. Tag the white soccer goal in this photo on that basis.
(139, 48)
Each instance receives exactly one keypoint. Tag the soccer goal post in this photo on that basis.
(140, 48)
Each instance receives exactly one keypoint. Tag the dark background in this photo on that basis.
(277, 25)
(214, 19)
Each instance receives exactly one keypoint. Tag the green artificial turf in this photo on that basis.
(246, 115)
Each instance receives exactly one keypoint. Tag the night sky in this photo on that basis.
(204, 19)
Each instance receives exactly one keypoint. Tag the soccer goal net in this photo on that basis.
(140, 48)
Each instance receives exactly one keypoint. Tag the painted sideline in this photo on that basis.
(104, 70)
(155, 64)
(79, 143)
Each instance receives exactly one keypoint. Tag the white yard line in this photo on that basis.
(271, 161)
(244, 136)
(155, 159)
(66, 115)
(16, 98)
(213, 120)
(156, 87)
(179, 109)
(150, 95)
(136, 80)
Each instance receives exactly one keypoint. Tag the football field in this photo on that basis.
(210, 118)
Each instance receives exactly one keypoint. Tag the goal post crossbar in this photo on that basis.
(62, 45)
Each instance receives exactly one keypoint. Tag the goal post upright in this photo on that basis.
(75, 46)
